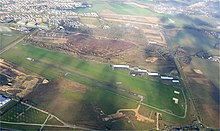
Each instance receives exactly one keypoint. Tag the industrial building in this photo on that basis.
(4, 100)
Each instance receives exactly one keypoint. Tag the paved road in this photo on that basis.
(187, 86)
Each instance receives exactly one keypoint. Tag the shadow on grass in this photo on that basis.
(81, 108)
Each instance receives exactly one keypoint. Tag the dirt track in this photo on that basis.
(139, 116)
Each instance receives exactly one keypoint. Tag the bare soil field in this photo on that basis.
(97, 47)
(29, 86)
(155, 36)
(151, 59)
(91, 25)
(198, 71)
(163, 38)
(14, 82)
(130, 57)
(140, 19)
(51, 40)
(153, 31)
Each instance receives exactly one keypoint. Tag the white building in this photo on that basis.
(166, 78)
(153, 73)
(176, 100)
(121, 66)
(141, 71)
(175, 81)
(177, 92)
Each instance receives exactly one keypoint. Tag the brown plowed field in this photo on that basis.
(88, 45)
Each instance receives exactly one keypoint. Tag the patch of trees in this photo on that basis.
(84, 30)
(159, 51)
(167, 54)
(56, 47)
(217, 46)
(203, 54)
(186, 59)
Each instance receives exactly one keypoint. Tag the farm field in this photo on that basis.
(110, 65)
(93, 47)
(205, 66)
(192, 40)
(179, 21)
(153, 91)
(91, 21)
(204, 89)
(80, 98)
(119, 8)
(7, 36)
(23, 113)
(19, 127)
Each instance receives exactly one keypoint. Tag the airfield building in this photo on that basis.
(166, 78)
(177, 92)
(175, 81)
(176, 100)
(120, 66)
(137, 72)
(153, 73)
(141, 71)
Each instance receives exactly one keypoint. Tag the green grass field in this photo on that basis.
(193, 41)
(77, 102)
(119, 8)
(156, 94)
(205, 89)
(205, 66)
(8, 37)
(22, 113)
(180, 21)
(19, 127)
(94, 21)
